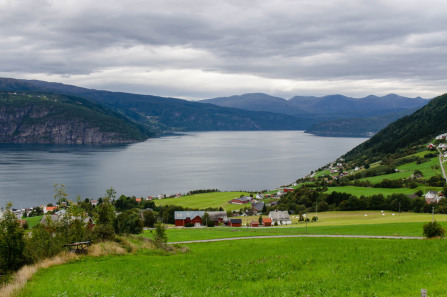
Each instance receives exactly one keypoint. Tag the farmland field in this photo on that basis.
(365, 191)
(339, 222)
(202, 201)
(258, 267)
(33, 221)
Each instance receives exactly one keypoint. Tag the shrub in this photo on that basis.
(314, 219)
(189, 224)
(433, 229)
(160, 237)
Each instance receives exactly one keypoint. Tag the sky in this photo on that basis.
(204, 49)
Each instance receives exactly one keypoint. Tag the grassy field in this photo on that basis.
(359, 191)
(343, 222)
(33, 221)
(258, 267)
(202, 201)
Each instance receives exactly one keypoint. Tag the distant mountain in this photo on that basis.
(333, 115)
(27, 117)
(417, 128)
(169, 114)
(357, 127)
(337, 106)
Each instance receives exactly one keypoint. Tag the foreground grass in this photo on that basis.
(277, 267)
(202, 201)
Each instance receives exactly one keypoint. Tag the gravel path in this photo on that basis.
(294, 236)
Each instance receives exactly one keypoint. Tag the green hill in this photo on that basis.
(415, 129)
(48, 118)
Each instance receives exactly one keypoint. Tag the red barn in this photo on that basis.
(235, 222)
(185, 217)
(254, 224)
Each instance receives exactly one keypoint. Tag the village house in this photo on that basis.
(441, 136)
(94, 202)
(257, 207)
(280, 217)
(218, 217)
(47, 209)
(267, 222)
(259, 196)
(433, 197)
(442, 146)
(431, 146)
(241, 200)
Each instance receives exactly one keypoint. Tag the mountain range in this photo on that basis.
(334, 115)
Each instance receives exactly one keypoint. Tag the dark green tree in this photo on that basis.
(129, 222)
(12, 241)
(433, 229)
(149, 219)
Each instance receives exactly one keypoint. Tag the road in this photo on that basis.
(440, 163)
(295, 236)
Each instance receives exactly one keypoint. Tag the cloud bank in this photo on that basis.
(204, 49)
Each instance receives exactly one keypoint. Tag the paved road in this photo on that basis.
(294, 236)
(440, 163)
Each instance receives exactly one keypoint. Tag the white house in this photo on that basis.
(433, 197)
(281, 217)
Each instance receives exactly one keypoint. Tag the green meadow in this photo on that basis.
(33, 221)
(202, 201)
(334, 223)
(366, 191)
(258, 267)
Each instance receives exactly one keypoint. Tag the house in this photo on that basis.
(267, 222)
(139, 200)
(94, 202)
(186, 217)
(442, 146)
(235, 223)
(241, 200)
(254, 224)
(47, 209)
(217, 216)
(433, 197)
(431, 146)
(258, 207)
(259, 196)
(286, 190)
(280, 217)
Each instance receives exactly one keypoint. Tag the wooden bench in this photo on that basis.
(78, 247)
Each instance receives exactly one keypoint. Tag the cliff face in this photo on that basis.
(57, 122)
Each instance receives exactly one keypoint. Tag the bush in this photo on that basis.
(433, 229)
(160, 237)
(129, 222)
(189, 224)
(314, 219)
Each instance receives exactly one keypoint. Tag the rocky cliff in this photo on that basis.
(31, 118)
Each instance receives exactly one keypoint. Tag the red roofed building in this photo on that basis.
(267, 222)
(254, 224)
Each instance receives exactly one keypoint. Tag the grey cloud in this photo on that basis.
(296, 40)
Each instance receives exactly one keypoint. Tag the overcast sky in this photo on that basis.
(204, 49)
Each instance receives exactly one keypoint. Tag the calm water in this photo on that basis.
(222, 160)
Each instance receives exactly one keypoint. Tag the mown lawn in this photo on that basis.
(259, 267)
(33, 221)
(202, 201)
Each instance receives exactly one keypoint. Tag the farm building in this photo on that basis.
(235, 223)
(267, 222)
(218, 216)
(241, 200)
(281, 217)
(254, 224)
(257, 206)
(185, 217)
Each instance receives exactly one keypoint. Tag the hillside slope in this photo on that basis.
(418, 128)
(159, 113)
(49, 118)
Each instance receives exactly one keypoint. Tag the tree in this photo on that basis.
(149, 219)
(60, 193)
(110, 193)
(433, 229)
(206, 219)
(12, 241)
(129, 222)
(260, 220)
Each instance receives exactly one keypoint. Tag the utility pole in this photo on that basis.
(316, 210)
(433, 214)
(399, 206)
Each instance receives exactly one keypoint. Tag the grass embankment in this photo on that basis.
(365, 191)
(258, 267)
(202, 201)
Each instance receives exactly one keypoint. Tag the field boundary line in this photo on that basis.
(300, 235)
